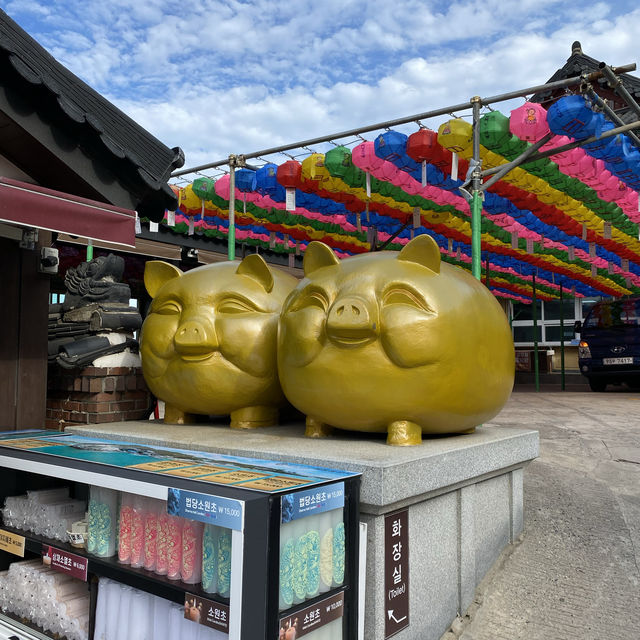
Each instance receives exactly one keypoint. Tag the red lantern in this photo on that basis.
(422, 145)
(289, 175)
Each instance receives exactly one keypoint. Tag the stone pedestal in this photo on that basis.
(464, 495)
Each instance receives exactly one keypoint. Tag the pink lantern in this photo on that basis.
(222, 187)
(365, 158)
(529, 122)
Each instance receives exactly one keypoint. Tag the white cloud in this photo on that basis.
(216, 77)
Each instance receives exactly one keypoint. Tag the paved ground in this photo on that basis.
(576, 571)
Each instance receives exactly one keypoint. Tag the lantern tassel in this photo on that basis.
(359, 222)
(424, 173)
(454, 166)
(290, 199)
(368, 184)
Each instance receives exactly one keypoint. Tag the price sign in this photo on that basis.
(12, 542)
(65, 562)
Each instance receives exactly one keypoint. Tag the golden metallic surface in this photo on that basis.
(208, 343)
(393, 342)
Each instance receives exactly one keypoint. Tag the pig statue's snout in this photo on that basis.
(351, 322)
(195, 338)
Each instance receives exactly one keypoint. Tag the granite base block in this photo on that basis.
(464, 495)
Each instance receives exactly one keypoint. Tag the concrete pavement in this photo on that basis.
(575, 573)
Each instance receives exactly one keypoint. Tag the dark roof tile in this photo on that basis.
(121, 135)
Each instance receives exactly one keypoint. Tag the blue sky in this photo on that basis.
(217, 77)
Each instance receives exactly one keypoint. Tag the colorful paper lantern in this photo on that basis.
(290, 177)
(204, 188)
(266, 178)
(529, 122)
(571, 116)
(245, 180)
(390, 145)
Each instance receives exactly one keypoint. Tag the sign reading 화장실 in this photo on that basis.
(396, 572)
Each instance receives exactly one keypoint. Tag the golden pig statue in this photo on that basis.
(208, 343)
(393, 342)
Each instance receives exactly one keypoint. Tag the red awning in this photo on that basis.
(33, 206)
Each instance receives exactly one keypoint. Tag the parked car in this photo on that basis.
(609, 349)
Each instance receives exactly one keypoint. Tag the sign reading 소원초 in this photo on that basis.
(65, 562)
(305, 503)
(396, 572)
(209, 613)
(223, 512)
(310, 618)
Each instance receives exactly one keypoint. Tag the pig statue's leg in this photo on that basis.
(404, 433)
(254, 417)
(176, 416)
(317, 429)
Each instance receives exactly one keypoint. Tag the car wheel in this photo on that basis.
(597, 384)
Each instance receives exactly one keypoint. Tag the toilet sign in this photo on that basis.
(396, 572)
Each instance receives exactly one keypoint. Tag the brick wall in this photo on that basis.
(95, 395)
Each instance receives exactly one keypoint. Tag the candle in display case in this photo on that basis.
(287, 549)
(103, 513)
(338, 546)
(124, 530)
(326, 552)
(299, 564)
(137, 531)
(151, 532)
(162, 540)
(210, 558)
(192, 532)
(174, 547)
(312, 544)
(224, 562)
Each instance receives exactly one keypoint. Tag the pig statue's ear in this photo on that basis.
(318, 255)
(255, 267)
(422, 250)
(157, 273)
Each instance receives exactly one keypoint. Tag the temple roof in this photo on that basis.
(139, 162)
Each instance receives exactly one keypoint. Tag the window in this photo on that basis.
(548, 319)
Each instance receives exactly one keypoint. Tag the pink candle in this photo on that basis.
(150, 534)
(192, 551)
(124, 536)
(137, 532)
(174, 547)
(162, 542)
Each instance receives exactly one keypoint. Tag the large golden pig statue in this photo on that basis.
(393, 342)
(208, 343)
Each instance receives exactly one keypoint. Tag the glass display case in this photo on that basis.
(245, 548)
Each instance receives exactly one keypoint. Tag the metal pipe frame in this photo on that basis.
(523, 158)
(611, 113)
(558, 84)
(571, 145)
(615, 83)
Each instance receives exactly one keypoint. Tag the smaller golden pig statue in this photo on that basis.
(393, 342)
(208, 343)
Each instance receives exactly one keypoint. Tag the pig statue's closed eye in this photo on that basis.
(393, 342)
(208, 344)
